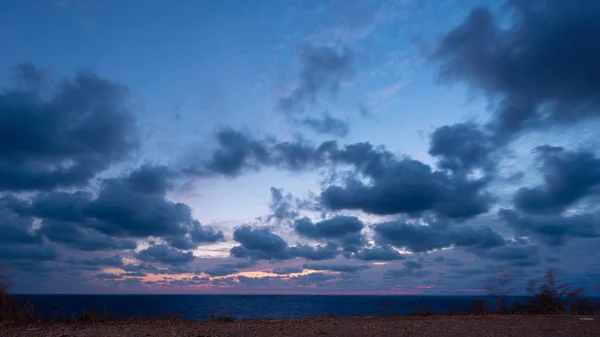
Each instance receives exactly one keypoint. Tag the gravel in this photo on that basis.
(370, 326)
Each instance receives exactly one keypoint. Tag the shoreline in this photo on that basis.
(467, 325)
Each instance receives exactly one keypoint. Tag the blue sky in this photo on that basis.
(438, 84)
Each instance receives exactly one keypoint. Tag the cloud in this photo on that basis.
(85, 122)
(323, 69)
(569, 176)
(413, 264)
(331, 228)
(396, 184)
(27, 252)
(128, 208)
(316, 253)
(237, 152)
(461, 147)
(164, 254)
(229, 268)
(402, 185)
(553, 230)
(15, 228)
(75, 236)
(261, 244)
(151, 179)
(328, 125)
(393, 274)
(259, 239)
(18, 238)
(111, 261)
(532, 68)
(520, 255)
(379, 253)
(133, 205)
(30, 74)
(313, 279)
(344, 230)
(281, 207)
(341, 268)
(422, 238)
(286, 270)
(126, 212)
(106, 276)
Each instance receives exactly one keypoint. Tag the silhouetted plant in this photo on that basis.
(12, 312)
(478, 307)
(385, 309)
(499, 289)
(222, 318)
(551, 296)
(421, 310)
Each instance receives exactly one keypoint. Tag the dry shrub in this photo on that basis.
(552, 296)
(12, 312)
(222, 318)
(421, 310)
(385, 309)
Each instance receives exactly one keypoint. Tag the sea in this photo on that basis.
(200, 307)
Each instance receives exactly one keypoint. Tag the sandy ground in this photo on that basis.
(399, 326)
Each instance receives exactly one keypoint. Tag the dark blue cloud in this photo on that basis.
(343, 230)
(398, 185)
(569, 176)
(316, 253)
(342, 268)
(520, 255)
(97, 262)
(411, 264)
(237, 153)
(313, 279)
(323, 69)
(133, 205)
(85, 121)
(461, 147)
(379, 253)
(553, 230)
(164, 254)
(20, 252)
(16, 228)
(106, 276)
(543, 66)
(335, 227)
(259, 239)
(229, 268)
(286, 270)
(394, 274)
(74, 236)
(327, 124)
(402, 185)
(422, 238)
(262, 244)
(281, 206)
(151, 179)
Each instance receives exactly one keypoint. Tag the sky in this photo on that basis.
(298, 147)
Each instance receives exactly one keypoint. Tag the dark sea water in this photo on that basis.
(198, 307)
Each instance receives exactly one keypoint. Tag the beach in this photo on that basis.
(490, 325)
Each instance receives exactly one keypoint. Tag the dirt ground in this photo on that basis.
(399, 326)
